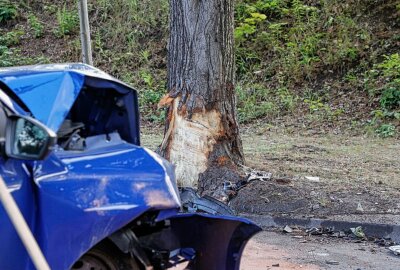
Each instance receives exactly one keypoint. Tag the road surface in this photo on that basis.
(275, 251)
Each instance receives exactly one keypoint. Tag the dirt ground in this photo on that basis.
(273, 250)
(326, 175)
(329, 175)
(354, 178)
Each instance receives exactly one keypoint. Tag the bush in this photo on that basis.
(390, 97)
(35, 25)
(68, 22)
(297, 38)
(11, 38)
(7, 11)
(386, 130)
(389, 72)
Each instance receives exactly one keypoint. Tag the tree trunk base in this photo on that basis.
(189, 142)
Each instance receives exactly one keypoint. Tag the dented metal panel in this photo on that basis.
(99, 191)
(49, 91)
(74, 199)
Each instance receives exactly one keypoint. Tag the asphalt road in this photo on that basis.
(272, 250)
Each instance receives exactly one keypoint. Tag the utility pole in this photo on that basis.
(85, 32)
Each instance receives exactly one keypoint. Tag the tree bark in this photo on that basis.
(202, 135)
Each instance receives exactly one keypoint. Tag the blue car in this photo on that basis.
(91, 195)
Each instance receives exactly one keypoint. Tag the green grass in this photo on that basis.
(68, 22)
(8, 11)
(36, 26)
(294, 58)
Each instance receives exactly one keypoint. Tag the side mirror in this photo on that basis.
(28, 139)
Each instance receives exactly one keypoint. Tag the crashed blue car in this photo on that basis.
(91, 195)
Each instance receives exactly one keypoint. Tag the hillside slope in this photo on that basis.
(301, 64)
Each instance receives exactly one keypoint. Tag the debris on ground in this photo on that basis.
(339, 234)
(253, 175)
(320, 231)
(287, 229)
(192, 202)
(332, 262)
(312, 178)
(395, 249)
(385, 242)
(358, 232)
(359, 208)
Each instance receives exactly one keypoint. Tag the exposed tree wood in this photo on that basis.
(201, 128)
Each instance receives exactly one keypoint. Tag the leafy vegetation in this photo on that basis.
(325, 46)
(35, 25)
(68, 21)
(312, 63)
(386, 130)
(8, 11)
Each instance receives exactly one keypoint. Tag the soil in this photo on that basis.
(325, 175)
(330, 175)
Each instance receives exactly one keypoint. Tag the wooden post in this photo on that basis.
(85, 32)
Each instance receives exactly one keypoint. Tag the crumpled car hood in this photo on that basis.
(49, 91)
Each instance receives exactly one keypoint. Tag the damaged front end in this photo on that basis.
(98, 184)
(201, 241)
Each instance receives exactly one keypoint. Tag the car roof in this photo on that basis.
(78, 68)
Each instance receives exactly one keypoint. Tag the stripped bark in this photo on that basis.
(201, 128)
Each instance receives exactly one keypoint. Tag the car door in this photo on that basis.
(16, 174)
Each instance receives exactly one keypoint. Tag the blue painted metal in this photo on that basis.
(18, 179)
(99, 191)
(74, 199)
(49, 91)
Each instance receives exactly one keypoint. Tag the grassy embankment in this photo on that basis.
(301, 64)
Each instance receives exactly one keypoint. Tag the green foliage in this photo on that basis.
(50, 8)
(315, 105)
(11, 38)
(36, 26)
(5, 54)
(298, 39)
(386, 130)
(391, 66)
(14, 57)
(8, 11)
(283, 48)
(385, 82)
(68, 22)
(149, 99)
(255, 102)
(320, 110)
(390, 97)
(248, 27)
(286, 99)
(147, 78)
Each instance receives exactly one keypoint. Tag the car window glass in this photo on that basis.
(30, 138)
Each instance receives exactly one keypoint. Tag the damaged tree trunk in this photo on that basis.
(201, 136)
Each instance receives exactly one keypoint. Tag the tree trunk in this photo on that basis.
(201, 135)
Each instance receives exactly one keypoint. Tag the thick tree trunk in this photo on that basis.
(202, 135)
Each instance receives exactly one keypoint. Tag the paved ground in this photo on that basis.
(272, 250)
